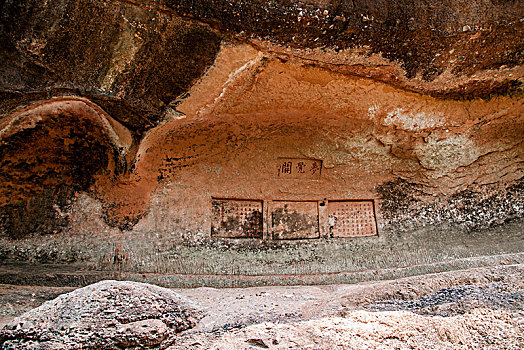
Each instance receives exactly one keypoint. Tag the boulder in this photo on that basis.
(104, 315)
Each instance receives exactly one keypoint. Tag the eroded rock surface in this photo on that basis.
(469, 309)
(479, 308)
(108, 314)
(122, 122)
(480, 329)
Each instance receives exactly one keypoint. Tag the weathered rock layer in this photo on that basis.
(127, 120)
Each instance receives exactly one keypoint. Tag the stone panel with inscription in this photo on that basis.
(295, 168)
(236, 218)
(352, 218)
(294, 220)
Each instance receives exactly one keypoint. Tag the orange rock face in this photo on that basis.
(193, 140)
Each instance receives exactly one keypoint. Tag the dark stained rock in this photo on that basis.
(457, 300)
(105, 315)
(402, 206)
(134, 58)
(115, 54)
(43, 163)
(418, 34)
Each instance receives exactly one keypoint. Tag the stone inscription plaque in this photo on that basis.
(294, 220)
(236, 218)
(352, 218)
(294, 168)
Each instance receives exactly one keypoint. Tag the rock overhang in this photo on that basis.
(414, 106)
(135, 58)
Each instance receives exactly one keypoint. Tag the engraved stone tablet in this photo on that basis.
(352, 218)
(236, 218)
(294, 220)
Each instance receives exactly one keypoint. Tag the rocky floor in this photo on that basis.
(475, 308)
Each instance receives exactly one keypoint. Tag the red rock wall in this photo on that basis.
(297, 149)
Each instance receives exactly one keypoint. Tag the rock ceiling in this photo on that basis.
(137, 58)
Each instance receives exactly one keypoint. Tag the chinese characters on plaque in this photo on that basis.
(236, 218)
(292, 168)
(352, 218)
